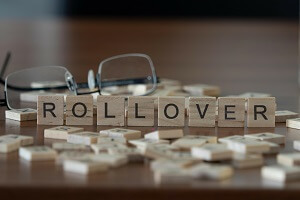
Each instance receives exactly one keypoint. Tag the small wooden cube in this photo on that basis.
(261, 112)
(60, 132)
(140, 111)
(25, 114)
(9, 144)
(270, 137)
(231, 112)
(85, 137)
(165, 134)
(24, 140)
(50, 110)
(171, 111)
(79, 110)
(122, 133)
(111, 110)
(212, 152)
(202, 111)
(289, 159)
(283, 115)
(280, 173)
(37, 153)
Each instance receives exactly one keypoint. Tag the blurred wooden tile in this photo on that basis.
(132, 154)
(25, 114)
(103, 139)
(84, 137)
(293, 123)
(230, 138)
(24, 140)
(211, 171)
(188, 142)
(280, 173)
(289, 159)
(122, 133)
(84, 166)
(247, 145)
(8, 144)
(171, 111)
(209, 139)
(202, 89)
(296, 145)
(261, 112)
(165, 134)
(202, 111)
(242, 161)
(64, 146)
(113, 160)
(37, 153)
(50, 110)
(111, 110)
(283, 115)
(143, 142)
(79, 110)
(231, 112)
(212, 152)
(254, 94)
(140, 111)
(270, 137)
(72, 155)
(60, 132)
(105, 146)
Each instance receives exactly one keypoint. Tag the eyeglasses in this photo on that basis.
(116, 75)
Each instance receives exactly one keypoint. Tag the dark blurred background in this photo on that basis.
(286, 9)
(242, 46)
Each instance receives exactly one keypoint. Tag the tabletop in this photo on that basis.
(237, 55)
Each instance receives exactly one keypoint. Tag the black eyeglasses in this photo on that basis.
(115, 73)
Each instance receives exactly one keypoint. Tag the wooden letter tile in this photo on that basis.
(270, 137)
(165, 134)
(171, 111)
(122, 133)
(289, 159)
(79, 110)
(60, 132)
(50, 110)
(111, 110)
(283, 115)
(202, 111)
(86, 138)
(8, 144)
(261, 112)
(140, 111)
(231, 112)
(35, 153)
(25, 114)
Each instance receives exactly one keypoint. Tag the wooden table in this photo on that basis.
(239, 56)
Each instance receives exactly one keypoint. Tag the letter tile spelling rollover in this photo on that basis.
(140, 111)
(171, 111)
(79, 110)
(202, 111)
(231, 112)
(50, 110)
(111, 110)
(261, 112)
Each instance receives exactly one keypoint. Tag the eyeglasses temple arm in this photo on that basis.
(5, 64)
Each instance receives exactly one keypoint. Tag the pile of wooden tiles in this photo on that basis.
(174, 156)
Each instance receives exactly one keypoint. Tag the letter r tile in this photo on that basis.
(261, 112)
(50, 110)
